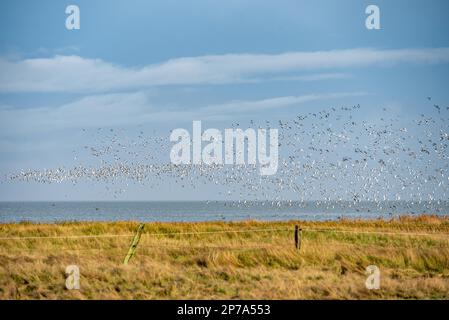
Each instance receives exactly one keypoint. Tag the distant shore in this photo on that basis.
(221, 260)
(197, 211)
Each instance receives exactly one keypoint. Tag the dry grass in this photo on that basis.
(252, 265)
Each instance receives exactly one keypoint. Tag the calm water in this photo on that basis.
(209, 210)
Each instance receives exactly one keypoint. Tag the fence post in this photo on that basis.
(298, 237)
(134, 243)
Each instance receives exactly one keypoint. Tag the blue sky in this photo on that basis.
(161, 64)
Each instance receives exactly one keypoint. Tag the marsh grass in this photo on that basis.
(228, 265)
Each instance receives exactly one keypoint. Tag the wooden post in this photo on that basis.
(134, 243)
(298, 237)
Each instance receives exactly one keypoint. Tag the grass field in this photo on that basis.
(208, 262)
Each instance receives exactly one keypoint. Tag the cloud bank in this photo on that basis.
(128, 109)
(77, 74)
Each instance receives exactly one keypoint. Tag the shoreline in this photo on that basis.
(382, 219)
(199, 211)
(288, 219)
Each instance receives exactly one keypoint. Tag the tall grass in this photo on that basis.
(248, 265)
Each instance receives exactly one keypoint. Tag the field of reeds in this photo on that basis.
(222, 260)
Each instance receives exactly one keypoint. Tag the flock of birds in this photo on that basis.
(336, 154)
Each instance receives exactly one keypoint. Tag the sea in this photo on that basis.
(192, 211)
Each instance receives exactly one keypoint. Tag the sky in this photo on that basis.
(158, 65)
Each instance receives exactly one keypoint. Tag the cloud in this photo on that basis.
(312, 77)
(90, 111)
(273, 103)
(76, 74)
(129, 109)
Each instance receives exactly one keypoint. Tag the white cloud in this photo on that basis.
(313, 77)
(129, 109)
(273, 103)
(90, 111)
(77, 74)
